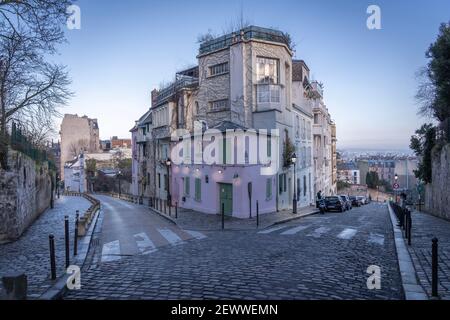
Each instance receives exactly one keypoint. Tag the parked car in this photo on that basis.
(334, 203)
(362, 199)
(355, 201)
(347, 202)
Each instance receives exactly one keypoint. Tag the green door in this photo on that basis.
(226, 198)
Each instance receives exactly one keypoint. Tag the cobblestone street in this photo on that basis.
(316, 257)
(30, 254)
(425, 228)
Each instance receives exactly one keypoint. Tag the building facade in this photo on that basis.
(78, 135)
(247, 97)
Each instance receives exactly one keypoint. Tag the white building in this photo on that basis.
(74, 173)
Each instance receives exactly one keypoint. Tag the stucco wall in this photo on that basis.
(24, 194)
(437, 194)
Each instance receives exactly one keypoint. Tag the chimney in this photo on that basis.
(154, 97)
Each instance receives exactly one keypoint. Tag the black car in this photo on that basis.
(334, 203)
(355, 201)
(347, 202)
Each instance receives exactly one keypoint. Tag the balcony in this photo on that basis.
(251, 32)
(317, 89)
(182, 82)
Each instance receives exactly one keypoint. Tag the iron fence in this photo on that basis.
(19, 142)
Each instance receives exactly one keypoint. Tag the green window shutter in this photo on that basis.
(280, 183)
(187, 186)
(269, 188)
(198, 189)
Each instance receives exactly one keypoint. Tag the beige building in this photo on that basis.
(78, 135)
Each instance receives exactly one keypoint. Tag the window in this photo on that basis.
(226, 150)
(298, 188)
(297, 126)
(197, 108)
(218, 69)
(316, 118)
(280, 184)
(198, 189)
(219, 105)
(268, 93)
(303, 129)
(266, 70)
(304, 186)
(159, 180)
(269, 145)
(268, 188)
(187, 186)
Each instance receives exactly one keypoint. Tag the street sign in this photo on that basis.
(396, 186)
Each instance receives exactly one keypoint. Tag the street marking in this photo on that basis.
(170, 236)
(271, 230)
(376, 238)
(294, 230)
(145, 245)
(197, 235)
(111, 251)
(347, 234)
(319, 232)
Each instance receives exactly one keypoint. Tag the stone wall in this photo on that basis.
(25, 192)
(437, 194)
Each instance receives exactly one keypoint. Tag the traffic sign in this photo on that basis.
(396, 186)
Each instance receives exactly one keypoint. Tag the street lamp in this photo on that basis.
(118, 176)
(294, 201)
(169, 197)
(396, 186)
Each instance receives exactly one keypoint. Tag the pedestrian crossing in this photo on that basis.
(344, 233)
(148, 242)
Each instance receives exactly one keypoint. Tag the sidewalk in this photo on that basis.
(30, 253)
(189, 219)
(424, 228)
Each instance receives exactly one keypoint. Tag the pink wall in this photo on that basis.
(210, 191)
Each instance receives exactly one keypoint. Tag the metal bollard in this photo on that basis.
(409, 228)
(51, 240)
(223, 216)
(66, 236)
(434, 267)
(75, 240)
(257, 213)
(176, 210)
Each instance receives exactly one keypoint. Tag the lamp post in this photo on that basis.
(169, 196)
(395, 191)
(294, 201)
(118, 176)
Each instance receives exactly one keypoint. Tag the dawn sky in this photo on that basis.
(126, 48)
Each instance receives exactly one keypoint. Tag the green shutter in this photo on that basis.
(269, 188)
(198, 189)
(187, 186)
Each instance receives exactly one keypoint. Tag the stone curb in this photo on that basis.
(413, 290)
(172, 220)
(58, 289)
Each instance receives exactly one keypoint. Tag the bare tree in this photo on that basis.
(31, 89)
(75, 148)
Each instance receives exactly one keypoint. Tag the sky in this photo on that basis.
(125, 49)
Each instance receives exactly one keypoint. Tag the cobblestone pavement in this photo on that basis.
(30, 254)
(316, 257)
(190, 219)
(424, 228)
